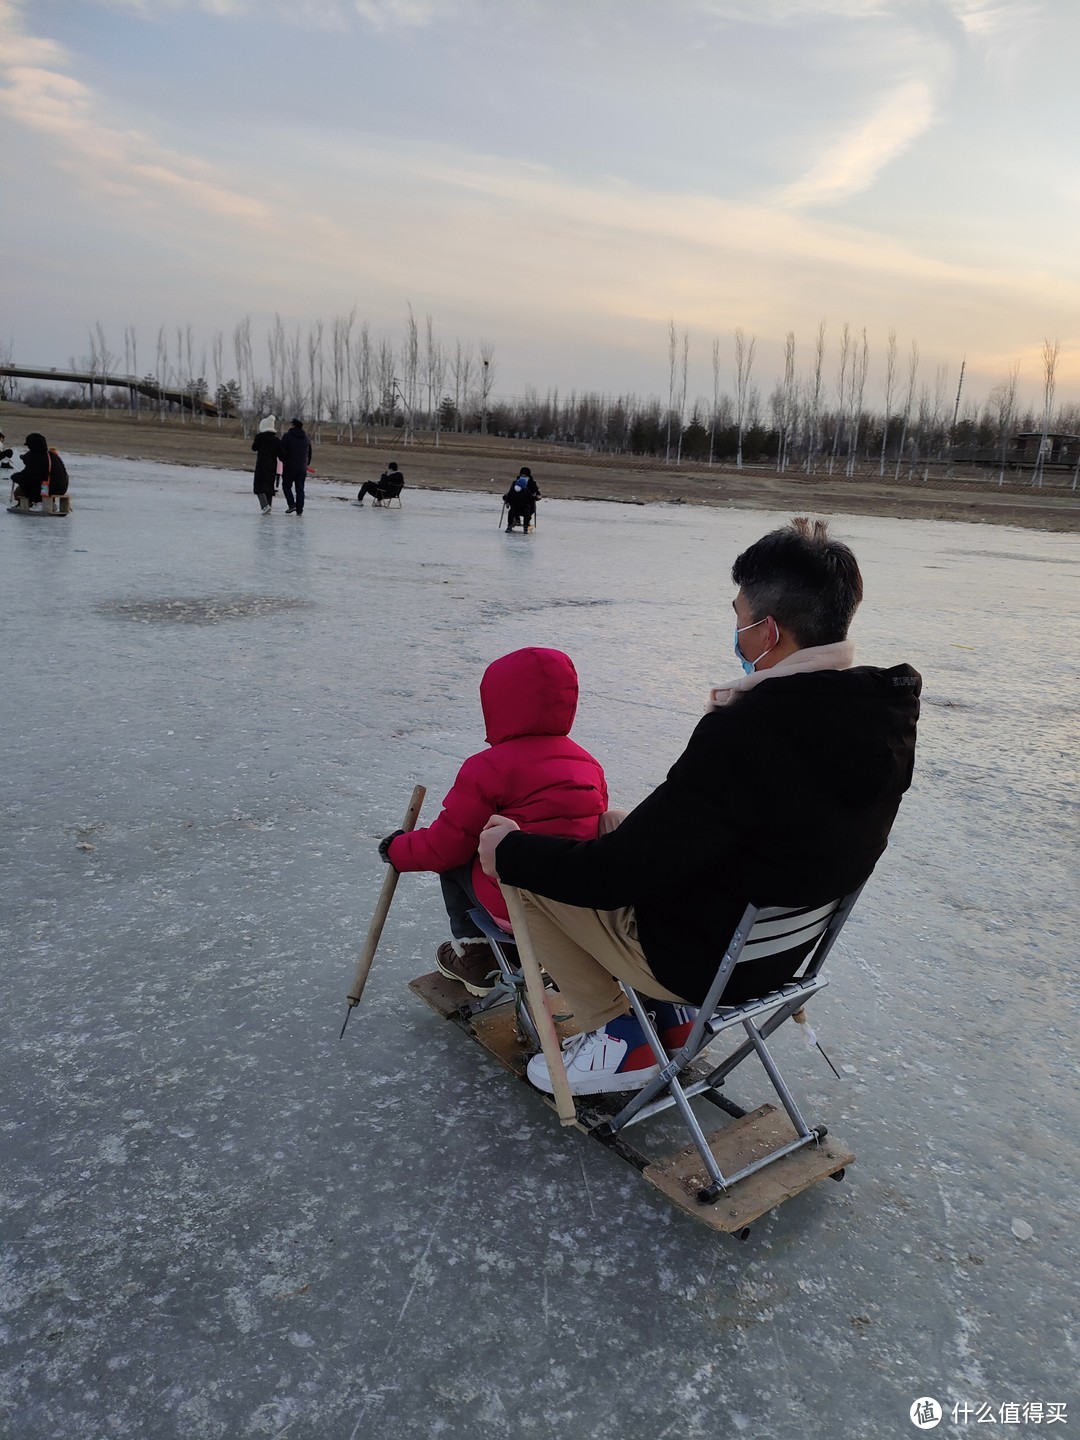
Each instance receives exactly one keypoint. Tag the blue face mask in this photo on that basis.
(749, 665)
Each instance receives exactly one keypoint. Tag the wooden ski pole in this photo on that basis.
(538, 1005)
(382, 909)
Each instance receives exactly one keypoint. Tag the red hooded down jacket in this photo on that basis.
(533, 773)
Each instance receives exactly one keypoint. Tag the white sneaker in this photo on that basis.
(598, 1061)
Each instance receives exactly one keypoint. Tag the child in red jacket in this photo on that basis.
(532, 772)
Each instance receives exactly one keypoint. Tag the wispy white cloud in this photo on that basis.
(387, 14)
(783, 12)
(853, 161)
(381, 15)
(49, 101)
(520, 249)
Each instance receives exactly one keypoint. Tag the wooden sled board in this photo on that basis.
(680, 1174)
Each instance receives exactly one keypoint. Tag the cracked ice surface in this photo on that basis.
(220, 1222)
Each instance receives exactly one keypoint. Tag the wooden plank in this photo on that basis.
(442, 994)
(681, 1174)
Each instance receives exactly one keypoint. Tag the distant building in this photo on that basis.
(1057, 449)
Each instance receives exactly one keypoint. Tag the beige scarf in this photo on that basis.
(838, 656)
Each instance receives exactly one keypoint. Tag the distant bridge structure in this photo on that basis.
(133, 384)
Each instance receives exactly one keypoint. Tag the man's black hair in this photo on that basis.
(809, 584)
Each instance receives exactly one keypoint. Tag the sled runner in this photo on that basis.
(50, 505)
(732, 1176)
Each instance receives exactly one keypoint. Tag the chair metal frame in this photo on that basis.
(510, 984)
(762, 932)
(385, 501)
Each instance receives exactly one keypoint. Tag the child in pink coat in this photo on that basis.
(532, 772)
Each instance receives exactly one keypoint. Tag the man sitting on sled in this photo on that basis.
(520, 500)
(785, 795)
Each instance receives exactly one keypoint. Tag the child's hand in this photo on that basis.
(496, 829)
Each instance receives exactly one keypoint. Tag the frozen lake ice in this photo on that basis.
(220, 1222)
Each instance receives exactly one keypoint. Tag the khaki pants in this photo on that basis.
(586, 952)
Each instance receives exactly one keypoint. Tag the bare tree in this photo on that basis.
(461, 369)
(340, 404)
(161, 370)
(672, 353)
(860, 363)
(787, 403)
(276, 346)
(435, 374)
(410, 369)
(909, 400)
(131, 366)
(102, 361)
(744, 364)
(294, 386)
(384, 381)
(813, 406)
(890, 391)
(364, 369)
(683, 366)
(315, 376)
(1050, 353)
(245, 371)
(715, 396)
(487, 380)
(841, 391)
(935, 417)
(1003, 402)
(217, 349)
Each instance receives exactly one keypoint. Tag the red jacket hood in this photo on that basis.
(529, 692)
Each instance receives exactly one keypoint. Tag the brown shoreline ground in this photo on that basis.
(488, 463)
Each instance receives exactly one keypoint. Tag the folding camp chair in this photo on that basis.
(391, 491)
(805, 935)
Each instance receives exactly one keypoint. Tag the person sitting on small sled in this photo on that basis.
(520, 500)
(388, 486)
(533, 772)
(785, 795)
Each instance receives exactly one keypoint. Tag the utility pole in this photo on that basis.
(955, 413)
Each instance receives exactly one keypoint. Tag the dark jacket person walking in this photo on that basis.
(265, 446)
(294, 448)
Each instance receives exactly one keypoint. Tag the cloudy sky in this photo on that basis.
(557, 177)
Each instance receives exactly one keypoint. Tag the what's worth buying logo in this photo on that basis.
(925, 1413)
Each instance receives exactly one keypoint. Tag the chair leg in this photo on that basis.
(746, 1049)
(668, 1080)
(778, 1083)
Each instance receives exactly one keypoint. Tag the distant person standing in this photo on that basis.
(520, 500)
(265, 446)
(43, 470)
(388, 486)
(294, 447)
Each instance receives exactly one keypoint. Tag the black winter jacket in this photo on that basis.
(294, 450)
(524, 500)
(40, 464)
(265, 446)
(784, 797)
